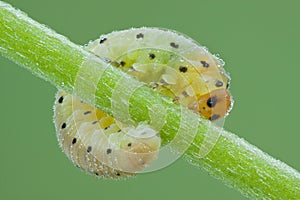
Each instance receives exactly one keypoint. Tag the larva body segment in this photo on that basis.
(170, 64)
(97, 144)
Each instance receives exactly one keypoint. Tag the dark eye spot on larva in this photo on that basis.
(174, 45)
(94, 122)
(87, 112)
(205, 64)
(61, 99)
(74, 141)
(106, 128)
(102, 40)
(89, 149)
(119, 131)
(64, 125)
(140, 35)
(129, 144)
(108, 151)
(214, 117)
(96, 173)
(212, 101)
(219, 83)
(151, 56)
(183, 69)
(118, 174)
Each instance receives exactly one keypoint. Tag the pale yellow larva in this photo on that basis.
(97, 144)
(171, 64)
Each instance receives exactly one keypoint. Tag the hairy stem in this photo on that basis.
(57, 60)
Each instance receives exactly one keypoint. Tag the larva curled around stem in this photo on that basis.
(169, 63)
(97, 144)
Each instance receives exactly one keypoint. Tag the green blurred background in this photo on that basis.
(259, 40)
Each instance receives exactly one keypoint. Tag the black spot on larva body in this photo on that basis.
(74, 141)
(119, 131)
(129, 144)
(122, 63)
(163, 82)
(87, 112)
(102, 40)
(205, 64)
(61, 99)
(212, 101)
(64, 125)
(227, 85)
(219, 83)
(142, 162)
(174, 45)
(151, 56)
(184, 93)
(176, 99)
(96, 173)
(94, 122)
(89, 149)
(108, 151)
(118, 174)
(106, 128)
(154, 85)
(140, 35)
(183, 69)
(214, 117)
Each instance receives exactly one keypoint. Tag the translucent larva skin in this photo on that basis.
(171, 64)
(97, 143)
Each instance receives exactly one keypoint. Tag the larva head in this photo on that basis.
(215, 101)
(214, 105)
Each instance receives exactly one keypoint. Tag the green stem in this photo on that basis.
(57, 60)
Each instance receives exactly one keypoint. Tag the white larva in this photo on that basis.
(171, 64)
(97, 144)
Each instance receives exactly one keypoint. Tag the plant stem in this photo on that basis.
(57, 60)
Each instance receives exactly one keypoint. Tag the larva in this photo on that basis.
(96, 143)
(170, 64)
